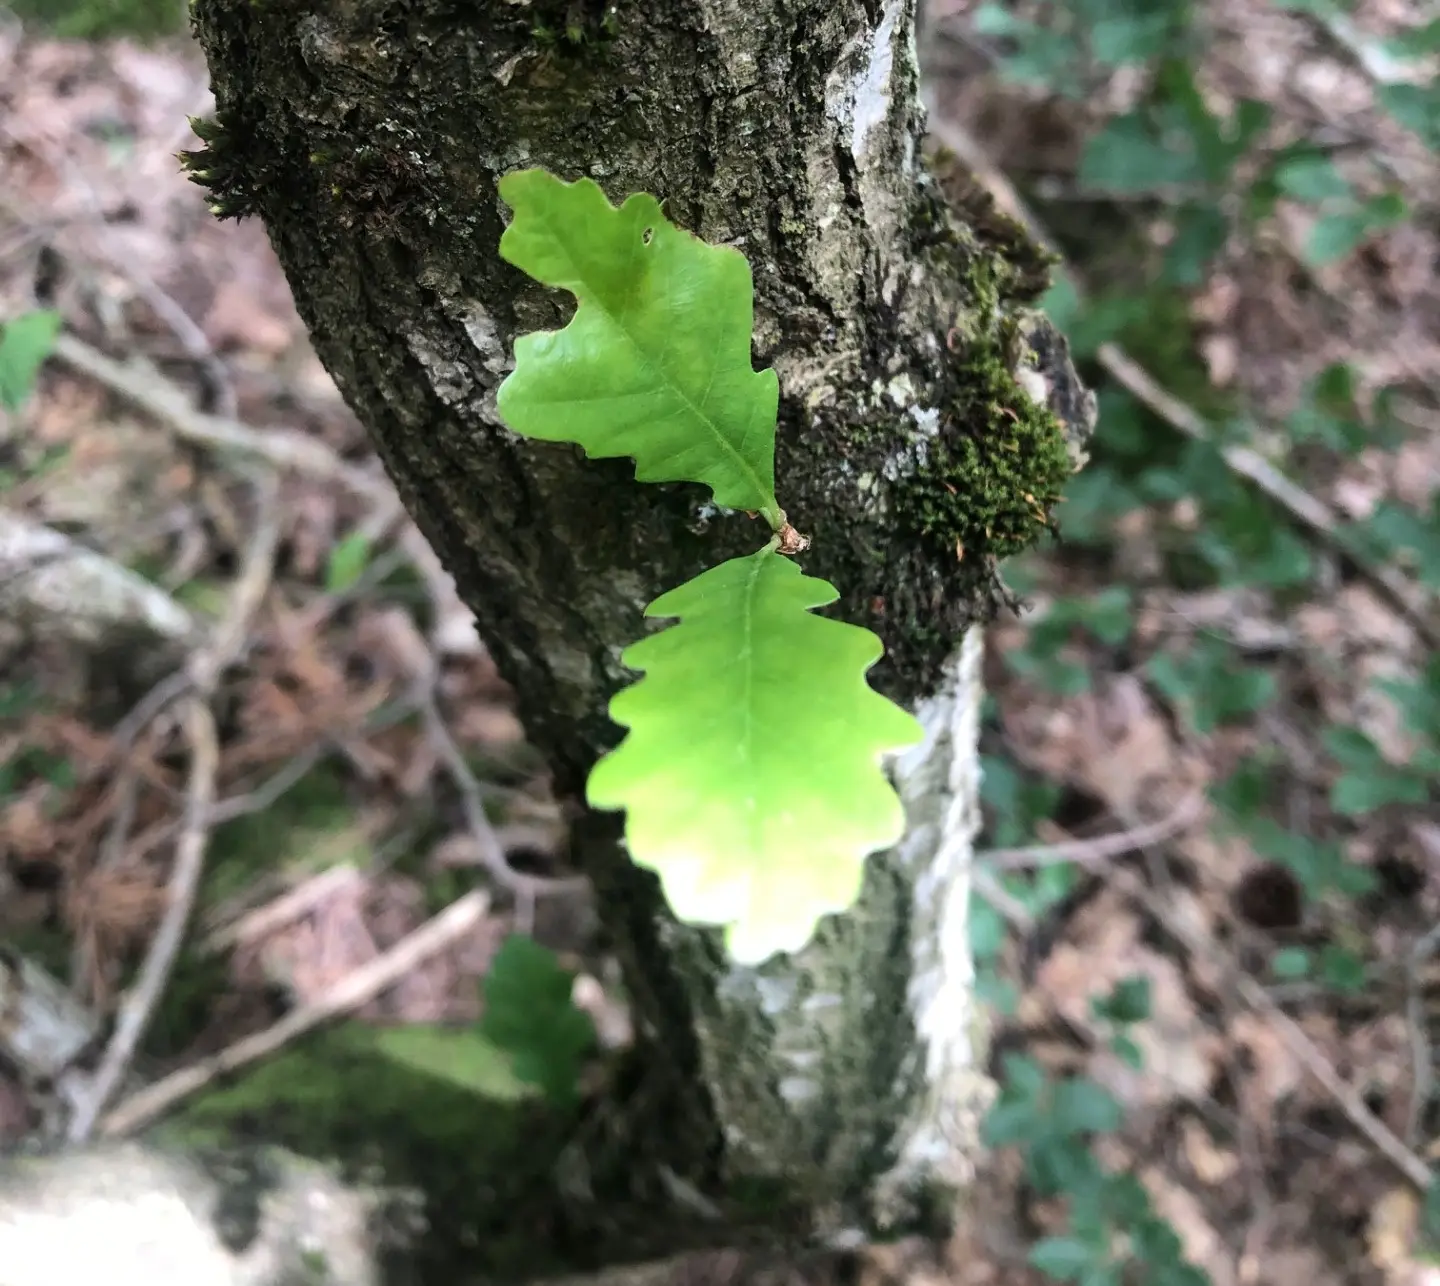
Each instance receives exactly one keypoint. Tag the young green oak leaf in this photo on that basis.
(751, 772)
(655, 364)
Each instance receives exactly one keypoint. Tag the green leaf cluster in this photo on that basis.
(1208, 176)
(1114, 1233)
(751, 773)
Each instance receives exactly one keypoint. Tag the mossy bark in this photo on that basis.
(923, 414)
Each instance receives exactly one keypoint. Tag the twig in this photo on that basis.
(1299, 1044)
(299, 901)
(1100, 849)
(192, 338)
(205, 667)
(491, 852)
(1244, 461)
(1019, 916)
(173, 685)
(140, 1001)
(281, 448)
(352, 991)
(1420, 1059)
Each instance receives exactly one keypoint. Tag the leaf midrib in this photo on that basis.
(744, 465)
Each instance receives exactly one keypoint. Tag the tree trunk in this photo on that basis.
(838, 1091)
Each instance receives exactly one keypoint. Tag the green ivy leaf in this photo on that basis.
(1131, 37)
(751, 773)
(1082, 1106)
(1130, 155)
(1356, 793)
(25, 342)
(1127, 1051)
(1320, 865)
(655, 364)
(1418, 42)
(1397, 527)
(1211, 683)
(530, 1015)
(1328, 413)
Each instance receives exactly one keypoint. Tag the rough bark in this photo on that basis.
(838, 1091)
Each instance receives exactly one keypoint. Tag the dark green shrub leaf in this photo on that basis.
(1342, 969)
(1128, 1002)
(529, 1013)
(1311, 177)
(1201, 230)
(1080, 1106)
(1061, 1258)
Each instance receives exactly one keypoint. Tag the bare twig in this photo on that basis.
(273, 916)
(1244, 461)
(355, 989)
(140, 1001)
(1300, 1045)
(205, 667)
(1016, 913)
(490, 851)
(1100, 849)
(1420, 1059)
(280, 448)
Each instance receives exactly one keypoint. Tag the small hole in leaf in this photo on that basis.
(648, 235)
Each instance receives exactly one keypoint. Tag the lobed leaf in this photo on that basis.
(751, 772)
(655, 364)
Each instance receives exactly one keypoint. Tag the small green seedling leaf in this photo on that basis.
(1128, 1002)
(1291, 964)
(530, 1014)
(655, 364)
(25, 342)
(347, 563)
(459, 1055)
(751, 773)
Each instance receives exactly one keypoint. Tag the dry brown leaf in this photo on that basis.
(1271, 1073)
(1203, 1245)
(1213, 1165)
(1178, 1050)
(1111, 742)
